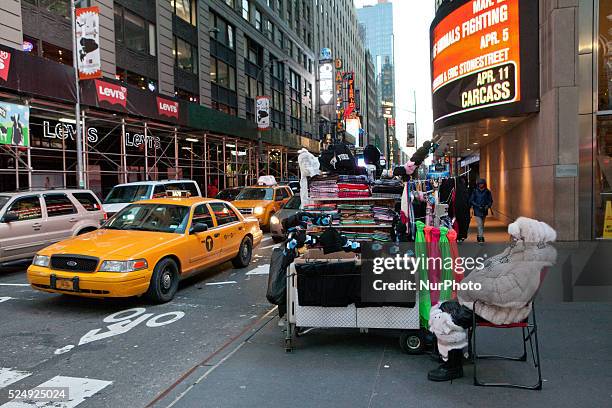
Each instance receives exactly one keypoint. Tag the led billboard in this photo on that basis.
(484, 60)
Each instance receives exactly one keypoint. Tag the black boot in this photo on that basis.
(449, 370)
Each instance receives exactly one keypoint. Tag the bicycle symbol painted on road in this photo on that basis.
(123, 321)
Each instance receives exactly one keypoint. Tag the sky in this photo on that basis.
(411, 20)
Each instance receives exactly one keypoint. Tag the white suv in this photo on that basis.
(32, 220)
(124, 194)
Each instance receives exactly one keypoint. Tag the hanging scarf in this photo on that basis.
(447, 270)
(454, 253)
(420, 250)
(433, 252)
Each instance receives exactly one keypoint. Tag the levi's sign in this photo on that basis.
(167, 107)
(111, 93)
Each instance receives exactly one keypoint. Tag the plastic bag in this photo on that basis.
(277, 278)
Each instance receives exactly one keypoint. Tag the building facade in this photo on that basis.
(554, 164)
(377, 21)
(336, 28)
(209, 58)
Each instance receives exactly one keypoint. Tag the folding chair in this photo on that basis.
(529, 333)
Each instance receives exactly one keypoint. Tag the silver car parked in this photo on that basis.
(32, 220)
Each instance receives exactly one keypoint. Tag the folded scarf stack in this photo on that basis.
(387, 186)
(324, 186)
(353, 190)
(383, 214)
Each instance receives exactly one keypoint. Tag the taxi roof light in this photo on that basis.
(178, 193)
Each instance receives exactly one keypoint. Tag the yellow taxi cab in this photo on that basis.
(262, 201)
(147, 248)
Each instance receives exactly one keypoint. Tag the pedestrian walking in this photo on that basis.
(481, 201)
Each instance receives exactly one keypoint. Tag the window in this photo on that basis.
(59, 7)
(279, 37)
(257, 19)
(202, 215)
(225, 75)
(186, 55)
(192, 188)
(88, 201)
(295, 83)
(254, 87)
(186, 10)
(270, 30)
(281, 194)
(26, 208)
(159, 191)
(57, 54)
(128, 194)
(246, 9)
(605, 57)
(58, 205)
(186, 95)
(134, 31)
(253, 52)
(135, 79)
(225, 33)
(223, 213)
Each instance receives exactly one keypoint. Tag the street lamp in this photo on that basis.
(77, 106)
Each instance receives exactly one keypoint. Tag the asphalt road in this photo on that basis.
(122, 353)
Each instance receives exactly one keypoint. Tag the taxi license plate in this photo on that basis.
(64, 284)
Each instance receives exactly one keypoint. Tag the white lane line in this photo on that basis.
(5, 298)
(260, 270)
(79, 389)
(14, 284)
(221, 283)
(266, 239)
(9, 376)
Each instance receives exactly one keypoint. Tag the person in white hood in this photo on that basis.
(508, 283)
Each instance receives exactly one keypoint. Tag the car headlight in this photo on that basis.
(258, 210)
(124, 266)
(41, 260)
(274, 220)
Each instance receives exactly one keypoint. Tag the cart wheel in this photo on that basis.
(297, 331)
(288, 346)
(412, 342)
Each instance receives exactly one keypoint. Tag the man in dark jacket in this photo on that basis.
(481, 201)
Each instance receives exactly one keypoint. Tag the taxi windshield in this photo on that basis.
(128, 194)
(151, 217)
(256, 194)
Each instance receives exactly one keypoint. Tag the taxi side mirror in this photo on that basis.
(198, 227)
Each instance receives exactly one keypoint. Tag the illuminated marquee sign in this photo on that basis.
(484, 60)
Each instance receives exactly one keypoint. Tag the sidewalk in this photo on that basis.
(343, 368)
(495, 230)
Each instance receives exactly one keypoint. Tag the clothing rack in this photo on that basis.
(300, 319)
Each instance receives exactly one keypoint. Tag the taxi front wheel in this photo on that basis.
(164, 281)
(245, 252)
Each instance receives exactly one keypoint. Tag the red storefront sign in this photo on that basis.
(167, 107)
(111, 93)
(5, 64)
